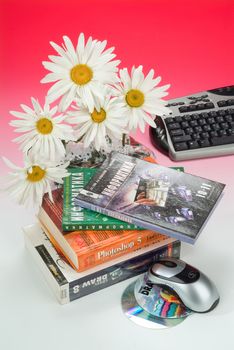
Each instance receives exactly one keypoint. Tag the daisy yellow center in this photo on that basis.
(98, 117)
(135, 98)
(81, 74)
(44, 126)
(36, 175)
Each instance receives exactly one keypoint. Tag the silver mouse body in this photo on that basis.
(194, 289)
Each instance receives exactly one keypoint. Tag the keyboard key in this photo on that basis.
(178, 119)
(172, 126)
(193, 123)
(225, 140)
(195, 116)
(196, 136)
(230, 102)
(224, 125)
(201, 106)
(193, 144)
(222, 112)
(183, 109)
(184, 125)
(182, 138)
(228, 118)
(181, 146)
(213, 134)
(204, 143)
(176, 132)
(210, 120)
(230, 131)
(202, 122)
(169, 120)
(213, 114)
(204, 115)
(222, 103)
(188, 131)
(219, 119)
(222, 132)
(192, 108)
(209, 105)
(198, 129)
(230, 111)
(205, 135)
(215, 126)
(206, 128)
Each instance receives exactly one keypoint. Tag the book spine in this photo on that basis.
(120, 272)
(66, 226)
(125, 245)
(140, 223)
(114, 249)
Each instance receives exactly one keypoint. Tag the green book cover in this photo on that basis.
(77, 218)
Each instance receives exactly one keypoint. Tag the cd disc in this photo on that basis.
(157, 301)
(138, 315)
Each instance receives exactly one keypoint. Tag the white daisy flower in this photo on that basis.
(43, 133)
(27, 185)
(94, 126)
(80, 71)
(140, 97)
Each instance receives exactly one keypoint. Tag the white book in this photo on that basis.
(68, 285)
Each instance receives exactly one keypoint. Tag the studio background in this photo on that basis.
(188, 43)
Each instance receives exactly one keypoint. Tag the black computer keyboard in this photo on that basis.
(200, 125)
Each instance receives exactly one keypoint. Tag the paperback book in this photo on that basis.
(151, 196)
(85, 249)
(69, 285)
(77, 218)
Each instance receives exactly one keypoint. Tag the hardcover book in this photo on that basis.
(85, 249)
(76, 218)
(69, 285)
(151, 196)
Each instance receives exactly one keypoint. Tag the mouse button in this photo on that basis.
(188, 275)
(169, 263)
(163, 271)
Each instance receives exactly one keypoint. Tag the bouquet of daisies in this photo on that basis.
(97, 102)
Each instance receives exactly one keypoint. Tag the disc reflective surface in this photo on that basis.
(138, 315)
(158, 301)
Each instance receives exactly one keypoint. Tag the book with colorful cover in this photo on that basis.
(77, 218)
(85, 249)
(69, 285)
(152, 196)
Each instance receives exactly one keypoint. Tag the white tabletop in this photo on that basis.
(31, 317)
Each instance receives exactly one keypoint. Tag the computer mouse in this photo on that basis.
(194, 288)
(158, 136)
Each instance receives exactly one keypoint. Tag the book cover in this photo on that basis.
(77, 218)
(152, 196)
(85, 249)
(69, 285)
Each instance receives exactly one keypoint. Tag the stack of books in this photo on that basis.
(91, 236)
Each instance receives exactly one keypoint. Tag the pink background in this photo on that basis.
(188, 43)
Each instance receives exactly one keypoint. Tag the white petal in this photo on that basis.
(10, 164)
(51, 77)
(56, 94)
(80, 46)
(36, 105)
(55, 68)
(70, 49)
